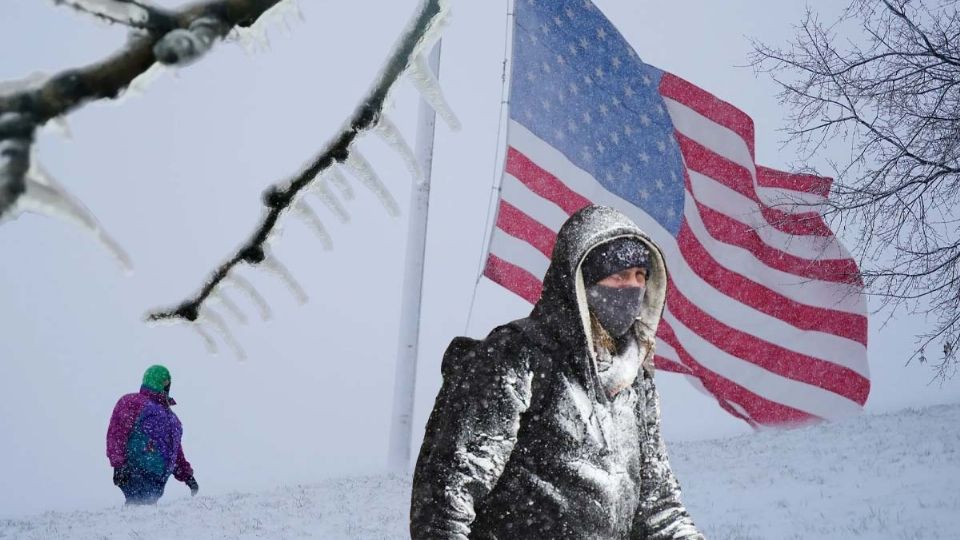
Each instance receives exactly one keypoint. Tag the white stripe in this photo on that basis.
(794, 202)
(543, 210)
(812, 292)
(732, 203)
(768, 385)
(827, 347)
(730, 145)
(519, 252)
(714, 136)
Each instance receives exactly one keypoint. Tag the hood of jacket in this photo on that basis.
(562, 311)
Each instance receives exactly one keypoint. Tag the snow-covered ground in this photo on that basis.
(893, 476)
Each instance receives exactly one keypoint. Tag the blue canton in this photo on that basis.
(578, 85)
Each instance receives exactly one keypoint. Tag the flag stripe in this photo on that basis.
(519, 225)
(806, 183)
(544, 183)
(721, 197)
(676, 89)
(763, 299)
(811, 399)
(513, 278)
(758, 408)
(769, 356)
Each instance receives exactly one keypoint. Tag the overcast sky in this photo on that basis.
(176, 175)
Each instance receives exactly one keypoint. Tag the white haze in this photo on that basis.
(175, 175)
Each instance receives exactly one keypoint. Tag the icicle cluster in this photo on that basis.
(323, 179)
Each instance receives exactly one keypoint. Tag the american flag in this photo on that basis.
(764, 307)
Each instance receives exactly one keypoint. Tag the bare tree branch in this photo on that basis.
(894, 95)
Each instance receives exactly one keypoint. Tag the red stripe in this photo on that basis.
(805, 317)
(543, 183)
(667, 364)
(727, 230)
(707, 162)
(513, 278)
(807, 183)
(519, 225)
(760, 409)
(709, 106)
(774, 358)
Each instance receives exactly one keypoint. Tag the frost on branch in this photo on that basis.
(254, 37)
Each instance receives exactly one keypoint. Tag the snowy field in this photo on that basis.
(893, 476)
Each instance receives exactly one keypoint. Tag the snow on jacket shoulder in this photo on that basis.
(523, 443)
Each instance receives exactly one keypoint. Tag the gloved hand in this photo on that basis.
(192, 484)
(120, 476)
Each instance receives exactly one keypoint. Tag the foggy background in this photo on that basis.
(176, 175)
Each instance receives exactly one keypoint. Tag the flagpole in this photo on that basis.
(405, 379)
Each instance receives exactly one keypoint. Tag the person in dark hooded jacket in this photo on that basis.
(143, 441)
(550, 427)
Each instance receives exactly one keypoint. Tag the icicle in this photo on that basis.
(207, 313)
(208, 341)
(139, 85)
(426, 83)
(338, 179)
(59, 125)
(46, 196)
(221, 296)
(392, 136)
(306, 212)
(322, 190)
(273, 265)
(124, 12)
(241, 283)
(365, 173)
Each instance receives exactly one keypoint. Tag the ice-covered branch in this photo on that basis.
(167, 37)
(323, 167)
(126, 12)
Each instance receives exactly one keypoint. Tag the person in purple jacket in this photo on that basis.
(143, 441)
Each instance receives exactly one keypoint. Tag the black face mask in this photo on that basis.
(615, 307)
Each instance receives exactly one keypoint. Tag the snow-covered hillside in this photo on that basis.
(893, 476)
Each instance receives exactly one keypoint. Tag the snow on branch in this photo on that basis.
(322, 171)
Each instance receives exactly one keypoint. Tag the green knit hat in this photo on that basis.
(156, 378)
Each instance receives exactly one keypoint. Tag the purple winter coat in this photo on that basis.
(144, 434)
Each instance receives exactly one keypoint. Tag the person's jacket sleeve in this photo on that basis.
(470, 439)
(182, 469)
(661, 515)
